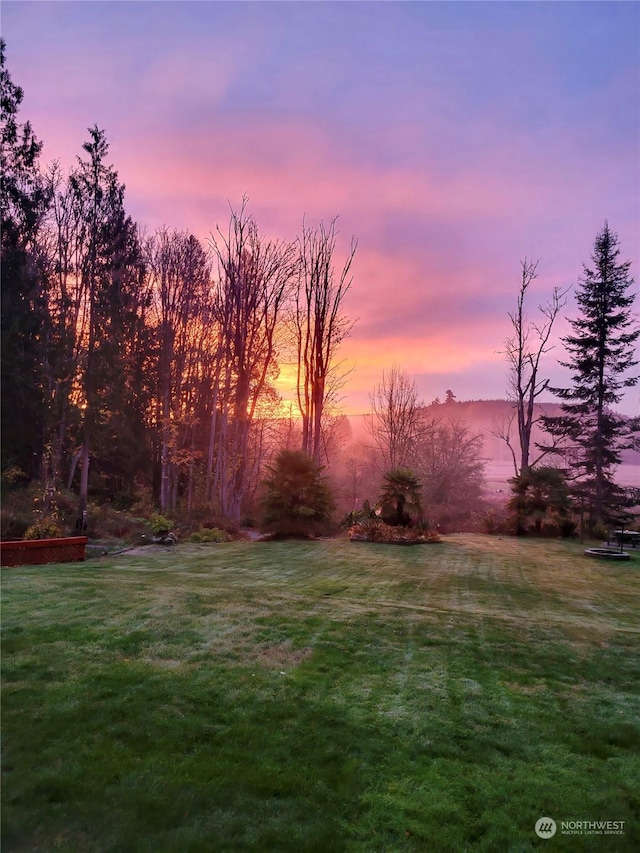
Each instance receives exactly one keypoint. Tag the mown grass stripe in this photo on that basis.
(320, 696)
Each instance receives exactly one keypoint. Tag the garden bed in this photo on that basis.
(29, 552)
(398, 541)
(374, 530)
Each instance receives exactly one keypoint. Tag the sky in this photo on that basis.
(451, 139)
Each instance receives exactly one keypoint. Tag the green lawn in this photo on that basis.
(321, 697)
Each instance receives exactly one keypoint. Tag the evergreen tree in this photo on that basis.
(601, 354)
(541, 502)
(110, 270)
(297, 499)
(23, 201)
(122, 364)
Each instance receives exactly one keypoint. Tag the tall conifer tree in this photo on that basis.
(23, 202)
(110, 271)
(600, 357)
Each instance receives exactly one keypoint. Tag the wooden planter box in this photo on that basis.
(29, 552)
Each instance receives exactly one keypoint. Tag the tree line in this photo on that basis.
(568, 475)
(572, 472)
(147, 363)
(135, 360)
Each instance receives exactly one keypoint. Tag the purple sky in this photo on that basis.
(452, 139)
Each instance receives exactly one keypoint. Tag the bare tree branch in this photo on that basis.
(524, 351)
(320, 326)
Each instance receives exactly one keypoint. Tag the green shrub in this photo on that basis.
(13, 525)
(45, 529)
(160, 525)
(359, 516)
(37, 505)
(540, 501)
(496, 522)
(106, 522)
(11, 478)
(210, 534)
(598, 530)
(226, 525)
(371, 529)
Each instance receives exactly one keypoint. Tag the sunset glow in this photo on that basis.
(451, 139)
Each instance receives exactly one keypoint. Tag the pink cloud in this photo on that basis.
(434, 307)
(437, 266)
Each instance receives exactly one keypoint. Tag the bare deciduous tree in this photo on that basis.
(179, 271)
(320, 326)
(67, 312)
(396, 420)
(255, 278)
(449, 461)
(445, 454)
(524, 350)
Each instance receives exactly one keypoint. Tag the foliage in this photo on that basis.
(45, 529)
(449, 461)
(112, 370)
(541, 502)
(83, 360)
(11, 478)
(23, 202)
(400, 498)
(160, 524)
(297, 500)
(134, 364)
(13, 524)
(110, 523)
(374, 530)
(210, 534)
(38, 507)
(366, 513)
(437, 446)
(600, 355)
(495, 521)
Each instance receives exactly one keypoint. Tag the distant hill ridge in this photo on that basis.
(481, 415)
